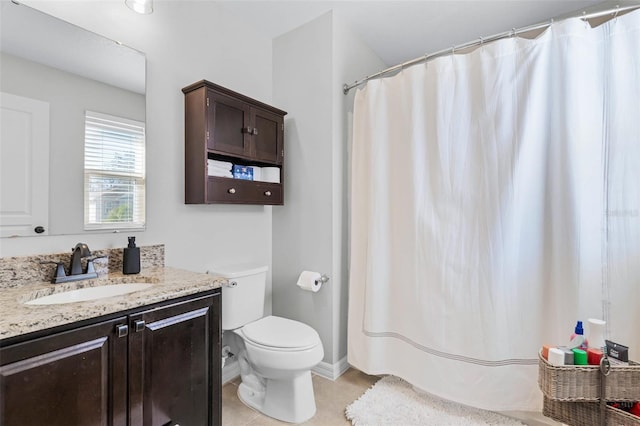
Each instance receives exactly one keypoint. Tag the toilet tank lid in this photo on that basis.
(237, 270)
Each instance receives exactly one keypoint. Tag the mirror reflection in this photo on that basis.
(51, 74)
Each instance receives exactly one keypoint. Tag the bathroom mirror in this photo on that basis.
(64, 71)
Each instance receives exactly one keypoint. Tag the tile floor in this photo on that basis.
(331, 400)
(332, 397)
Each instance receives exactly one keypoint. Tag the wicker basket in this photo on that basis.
(586, 414)
(582, 382)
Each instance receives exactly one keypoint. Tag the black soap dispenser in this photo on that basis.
(131, 258)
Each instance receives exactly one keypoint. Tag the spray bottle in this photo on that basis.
(577, 339)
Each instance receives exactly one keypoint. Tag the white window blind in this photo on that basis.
(114, 172)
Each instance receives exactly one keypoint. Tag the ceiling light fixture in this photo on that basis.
(141, 6)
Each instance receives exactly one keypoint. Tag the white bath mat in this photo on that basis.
(393, 402)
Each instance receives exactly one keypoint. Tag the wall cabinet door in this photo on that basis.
(174, 356)
(268, 136)
(228, 125)
(78, 377)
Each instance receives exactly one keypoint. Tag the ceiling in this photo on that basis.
(402, 30)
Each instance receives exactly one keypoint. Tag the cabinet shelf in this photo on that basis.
(221, 124)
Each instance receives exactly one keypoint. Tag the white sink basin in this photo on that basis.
(88, 293)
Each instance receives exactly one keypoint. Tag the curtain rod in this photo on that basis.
(514, 32)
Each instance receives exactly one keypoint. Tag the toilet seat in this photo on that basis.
(281, 334)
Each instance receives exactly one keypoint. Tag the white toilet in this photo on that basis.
(275, 355)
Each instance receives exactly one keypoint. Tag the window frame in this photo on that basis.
(136, 130)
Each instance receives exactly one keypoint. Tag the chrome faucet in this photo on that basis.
(80, 251)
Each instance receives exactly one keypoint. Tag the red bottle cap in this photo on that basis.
(593, 356)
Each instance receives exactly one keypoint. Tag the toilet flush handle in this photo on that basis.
(231, 284)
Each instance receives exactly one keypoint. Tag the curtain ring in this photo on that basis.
(513, 32)
(584, 18)
(615, 15)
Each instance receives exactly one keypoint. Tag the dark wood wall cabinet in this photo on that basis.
(223, 125)
(154, 366)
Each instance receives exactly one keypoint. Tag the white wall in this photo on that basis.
(184, 42)
(311, 63)
(302, 84)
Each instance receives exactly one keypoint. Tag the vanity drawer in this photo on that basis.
(238, 191)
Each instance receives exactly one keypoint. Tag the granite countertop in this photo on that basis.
(168, 283)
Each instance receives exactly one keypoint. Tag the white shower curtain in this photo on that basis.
(495, 201)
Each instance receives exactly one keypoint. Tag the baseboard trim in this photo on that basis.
(230, 371)
(331, 371)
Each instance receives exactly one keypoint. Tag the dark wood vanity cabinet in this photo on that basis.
(221, 124)
(177, 359)
(156, 366)
(76, 377)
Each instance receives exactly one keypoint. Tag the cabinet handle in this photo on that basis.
(231, 190)
(255, 130)
(122, 330)
(267, 193)
(139, 325)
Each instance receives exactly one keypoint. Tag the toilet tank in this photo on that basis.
(243, 297)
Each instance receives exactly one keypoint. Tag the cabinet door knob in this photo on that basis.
(231, 190)
(122, 330)
(267, 193)
(139, 325)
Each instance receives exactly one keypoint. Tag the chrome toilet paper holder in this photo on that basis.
(323, 279)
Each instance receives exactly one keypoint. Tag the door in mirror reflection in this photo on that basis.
(24, 166)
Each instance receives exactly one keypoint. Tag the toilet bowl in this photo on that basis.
(275, 366)
(275, 354)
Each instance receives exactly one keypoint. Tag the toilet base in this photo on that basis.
(290, 400)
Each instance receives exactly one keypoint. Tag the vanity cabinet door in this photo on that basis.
(174, 364)
(77, 377)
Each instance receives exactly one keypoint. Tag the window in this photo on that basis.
(114, 172)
